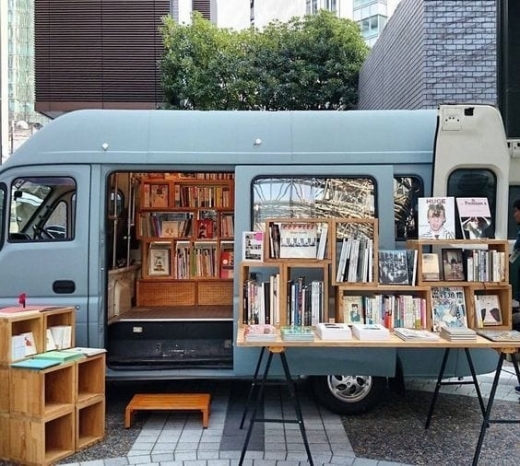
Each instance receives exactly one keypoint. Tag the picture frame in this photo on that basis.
(453, 264)
(159, 260)
(159, 195)
(253, 246)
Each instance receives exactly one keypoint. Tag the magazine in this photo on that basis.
(448, 307)
(475, 217)
(393, 267)
(436, 217)
(487, 310)
(298, 240)
(253, 246)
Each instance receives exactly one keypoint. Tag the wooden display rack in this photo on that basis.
(47, 415)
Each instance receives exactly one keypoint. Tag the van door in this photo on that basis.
(45, 248)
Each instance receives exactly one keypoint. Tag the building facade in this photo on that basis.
(433, 52)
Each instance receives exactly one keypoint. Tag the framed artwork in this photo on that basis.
(452, 264)
(159, 259)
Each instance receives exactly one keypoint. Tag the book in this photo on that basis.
(298, 240)
(393, 267)
(35, 363)
(430, 270)
(500, 335)
(85, 351)
(260, 332)
(50, 344)
(205, 228)
(436, 217)
(226, 264)
(331, 331)
(370, 332)
(458, 334)
(158, 195)
(253, 246)
(353, 309)
(322, 244)
(475, 217)
(29, 343)
(411, 255)
(17, 347)
(297, 333)
(343, 259)
(448, 308)
(487, 310)
(408, 334)
(60, 356)
(452, 264)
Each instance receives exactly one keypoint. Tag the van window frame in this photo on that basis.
(3, 212)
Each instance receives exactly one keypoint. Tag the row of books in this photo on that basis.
(262, 301)
(408, 311)
(371, 332)
(390, 310)
(24, 344)
(355, 262)
(166, 224)
(202, 196)
(293, 240)
(399, 267)
(53, 358)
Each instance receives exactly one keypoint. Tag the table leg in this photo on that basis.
(485, 422)
(297, 407)
(437, 387)
(252, 388)
(258, 399)
(475, 381)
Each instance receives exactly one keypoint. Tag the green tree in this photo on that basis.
(309, 63)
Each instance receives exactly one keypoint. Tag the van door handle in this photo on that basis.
(64, 287)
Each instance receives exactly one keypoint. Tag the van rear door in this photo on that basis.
(45, 247)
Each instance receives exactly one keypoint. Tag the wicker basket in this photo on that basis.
(217, 293)
(165, 293)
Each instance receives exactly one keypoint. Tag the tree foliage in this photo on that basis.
(309, 63)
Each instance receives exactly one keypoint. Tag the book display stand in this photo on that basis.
(47, 411)
(488, 278)
(185, 225)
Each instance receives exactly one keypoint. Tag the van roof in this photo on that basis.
(233, 137)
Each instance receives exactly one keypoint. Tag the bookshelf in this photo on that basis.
(186, 228)
(355, 283)
(485, 269)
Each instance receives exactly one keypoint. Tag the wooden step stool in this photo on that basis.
(170, 401)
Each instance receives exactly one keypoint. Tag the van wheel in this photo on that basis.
(348, 394)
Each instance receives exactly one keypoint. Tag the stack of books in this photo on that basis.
(370, 332)
(260, 332)
(408, 334)
(297, 333)
(458, 333)
(333, 331)
(500, 335)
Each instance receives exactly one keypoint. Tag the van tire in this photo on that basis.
(348, 394)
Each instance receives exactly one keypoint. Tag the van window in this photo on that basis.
(312, 197)
(512, 227)
(407, 189)
(473, 182)
(42, 209)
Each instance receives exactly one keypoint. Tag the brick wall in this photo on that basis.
(433, 52)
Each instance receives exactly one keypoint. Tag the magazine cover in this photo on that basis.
(448, 307)
(253, 244)
(436, 217)
(298, 240)
(487, 310)
(475, 217)
(453, 264)
(393, 267)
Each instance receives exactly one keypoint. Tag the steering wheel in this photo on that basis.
(41, 232)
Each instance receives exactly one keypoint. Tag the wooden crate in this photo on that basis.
(216, 293)
(16, 324)
(42, 442)
(43, 393)
(90, 423)
(4, 436)
(5, 382)
(90, 379)
(166, 293)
